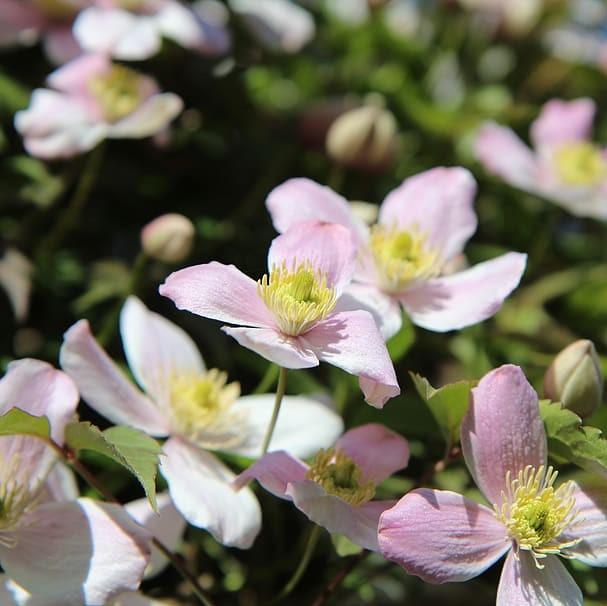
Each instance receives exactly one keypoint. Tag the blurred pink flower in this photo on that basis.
(16, 279)
(442, 537)
(92, 99)
(336, 491)
(293, 315)
(423, 225)
(197, 410)
(70, 550)
(564, 166)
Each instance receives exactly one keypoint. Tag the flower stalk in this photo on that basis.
(280, 392)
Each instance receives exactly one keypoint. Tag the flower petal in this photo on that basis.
(441, 537)
(16, 279)
(59, 43)
(465, 298)
(523, 584)
(302, 200)
(200, 486)
(351, 340)
(439, 203)
(286, 351)
(84, 552)
(167, 525)
(377, 450)
(103, 385)
(73, 77)
(220, 292)
(328, 246)
(563, 122)
(156, 349)
(502, 431)
(304, 425)
(60, 485)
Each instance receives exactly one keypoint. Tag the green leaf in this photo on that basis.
(130, 447)
(448, 404)
(343, 546)
(19, 422)
(401, 342)
(568, 439)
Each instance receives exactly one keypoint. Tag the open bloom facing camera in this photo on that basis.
(441, 536)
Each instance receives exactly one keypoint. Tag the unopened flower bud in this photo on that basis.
(168, 238)
(575, 379)
(365, 137)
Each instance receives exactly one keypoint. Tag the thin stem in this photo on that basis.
(280, 392)
(339, 578)
(268, 379)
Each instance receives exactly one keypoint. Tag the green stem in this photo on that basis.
(268, 379)
(280, 392)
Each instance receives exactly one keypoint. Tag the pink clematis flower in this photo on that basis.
(197, 410)
(423, 225)
(336, 490)
(90, 100)
(441, 536)
(292, 316)
(133, 29)
(564, 166)
(70, 550)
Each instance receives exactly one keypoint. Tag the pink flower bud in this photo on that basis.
(168, 238)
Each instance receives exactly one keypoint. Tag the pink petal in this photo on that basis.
(523, 584)
(302, 200)
(286, 351)
(82, 552)
(502, 431)
(16, 279)
(465, 298)
(377, 450)
(441, 537)
(304, 425)
(439, 202)
(590, 526)
(60, 485)
(220, 292)
(502, 153)
(73, 77)
(563, 122)
(328, 246)
(157, 350)
(103, 385)
(18, 18)
(351, 341)
(60, 46)
(201, 489)
(167, 525)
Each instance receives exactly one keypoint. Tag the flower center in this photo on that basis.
(402, 257)
(57, 9)
(536, 514)
(580, 164)
(298, 297)
(117, 91)
(340, 476)
(131, 5)
(201, 409)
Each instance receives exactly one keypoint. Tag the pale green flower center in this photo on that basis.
(536, 514)
(402, 257)
(57, 9)
(131, 5)
(297, 297)
(117, 91)
(580, 164)
(340, 476)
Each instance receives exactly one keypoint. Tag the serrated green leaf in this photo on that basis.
(401, 342)
(19, 422)
(448, 404)
(568, 439)
(130, 447)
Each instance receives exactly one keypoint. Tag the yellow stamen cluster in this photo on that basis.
(402, 257)
(340, 476)
(536, 514)
(57, 9)
(580, 164)
(117, 91)
(131, 5)
(201, 408)
(298, 297)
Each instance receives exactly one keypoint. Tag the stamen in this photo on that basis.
(16, 497)
(57, 9)
(580, 164)
(117, 91)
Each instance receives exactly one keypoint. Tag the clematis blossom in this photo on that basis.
(423, 226)
(68, 550)
(442, 537)
(92, 99)
(564, 166)
(292, 316)
(197, 410)
(337, 489)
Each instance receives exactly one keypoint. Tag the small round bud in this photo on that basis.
(575, 379)
(168, 238)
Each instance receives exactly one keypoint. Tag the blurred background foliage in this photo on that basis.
(255, 118)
